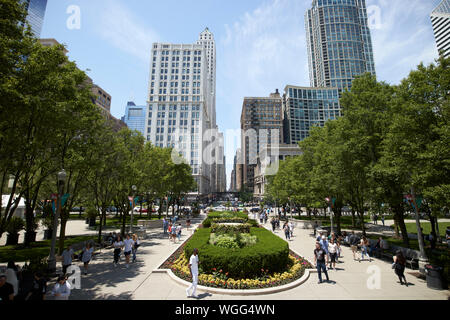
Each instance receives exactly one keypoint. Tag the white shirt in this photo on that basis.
(332, 247)
(194, 264)
(118, 244)
(67, 257)
(128, 244)
(87, 254)
(11, 278)
(178, 229)
(63, 290)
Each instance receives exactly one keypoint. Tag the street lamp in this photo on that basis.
(62, 175)
(133, 188)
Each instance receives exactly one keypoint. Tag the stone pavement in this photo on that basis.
(139, 283)
(348, 282)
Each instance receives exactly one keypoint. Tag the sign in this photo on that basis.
(64, 199)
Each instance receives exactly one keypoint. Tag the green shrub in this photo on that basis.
(227, 217)
(269, 253)
(227, 228)
(247, 240)
(15, 225)
(224, 241)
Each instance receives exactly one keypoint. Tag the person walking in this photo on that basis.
(61, 290)
(118, 245)
(332, 249)
(165, 225)
(382, 220)
(11, 276)
(321, 261)
(354, 241)
(287, 232)
(67, 257)
(399, 267)
(273, 223)
(136, 245)
(178, 231)
(324, 245)
(291, 229)
(364, 244)
(128, 248)
(193, 268)
(316, 225)
(87, 256)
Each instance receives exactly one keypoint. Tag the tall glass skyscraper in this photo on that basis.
(36, 14)
(440, 19)
(305, 108)
(339, 42)
(135, 117)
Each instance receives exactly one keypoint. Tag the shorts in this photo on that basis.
(333, 257)
(127, 253)
(354, 249)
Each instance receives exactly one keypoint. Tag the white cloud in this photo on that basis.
(122, 29)
(405, 38)
(262, 51)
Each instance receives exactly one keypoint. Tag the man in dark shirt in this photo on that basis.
(321, 261)
(39, 288)
(6, 290)
(354, 241)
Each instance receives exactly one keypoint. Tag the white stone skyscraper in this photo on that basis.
(440, 19)
(181, 104)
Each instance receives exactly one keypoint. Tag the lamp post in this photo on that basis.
(62, 175)
(423, 259)
(133, 188)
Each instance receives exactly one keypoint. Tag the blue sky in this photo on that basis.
(261, 45)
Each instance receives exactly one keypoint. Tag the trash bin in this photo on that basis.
(435, 277)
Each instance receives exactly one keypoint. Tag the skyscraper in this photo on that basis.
(305, 108)
(440, 19)
(339, 42)
(181, 106)
(259, 114)
(36, 14)
(135, 117)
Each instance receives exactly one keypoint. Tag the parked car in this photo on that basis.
(77, 209)
(254, 210)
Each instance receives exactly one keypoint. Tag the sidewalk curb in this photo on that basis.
(252, 292)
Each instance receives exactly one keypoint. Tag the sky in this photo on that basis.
(261, 44)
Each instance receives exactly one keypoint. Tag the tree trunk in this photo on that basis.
(353, 218)
(438, 233)
(100, 228)
(29, 219)
(399, 214)
(124, 223)
(62, 233)
(337, 215)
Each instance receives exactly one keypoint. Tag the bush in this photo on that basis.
(227, 228)
(227, 217)
(224, 241)
(15, 225)
(268, 253)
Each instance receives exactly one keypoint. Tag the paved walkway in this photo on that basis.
(105, 282)
(348, 282)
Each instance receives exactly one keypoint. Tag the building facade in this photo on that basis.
(339, 42)
(181, 105)
(268, 163)
(261, 124)
(36, 13)
(135, 117)
(440, 20)
(305, 108)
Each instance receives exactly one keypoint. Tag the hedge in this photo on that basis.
(269, 253)
(228, 217)
(227, 228)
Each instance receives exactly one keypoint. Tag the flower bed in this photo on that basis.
(219, 279)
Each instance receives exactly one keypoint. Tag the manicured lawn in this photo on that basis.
(412, 228)
(37, 250)
(117, 222)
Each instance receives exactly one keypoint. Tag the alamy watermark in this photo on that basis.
(73, 22)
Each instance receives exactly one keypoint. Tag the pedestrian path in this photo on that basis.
(350, 281)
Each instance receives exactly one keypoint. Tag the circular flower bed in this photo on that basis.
(219, 279)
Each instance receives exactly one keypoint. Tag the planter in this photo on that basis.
(30, 237)
(48, 234)
(12, 239)
(435, 277)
